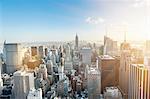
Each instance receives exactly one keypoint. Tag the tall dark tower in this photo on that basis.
(76, 42)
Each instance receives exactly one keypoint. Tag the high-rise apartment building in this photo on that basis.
(139, 82)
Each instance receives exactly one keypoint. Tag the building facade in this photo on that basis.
(109, 68)
(125, 61)
(14, 55)
(23, 83)
(139, 82)
(93, 82)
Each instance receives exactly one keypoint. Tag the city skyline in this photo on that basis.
(74, 49)
(49, 20)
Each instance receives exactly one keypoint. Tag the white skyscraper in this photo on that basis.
(68, 60)
(23, 83)
(14, 56)
(68, 53)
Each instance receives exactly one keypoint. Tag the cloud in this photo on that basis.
(94, 20)
(139, 3)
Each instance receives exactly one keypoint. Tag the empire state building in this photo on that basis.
(76, 42)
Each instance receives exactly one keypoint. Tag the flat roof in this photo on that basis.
(141, 66)
(92, 70)
(107, 57)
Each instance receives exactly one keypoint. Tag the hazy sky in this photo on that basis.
(48, 20)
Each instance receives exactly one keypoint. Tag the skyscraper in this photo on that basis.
(68, 59)
(14, 55)
(93, 82)
(23, 83)
(139, 82)
(34, 50)
(41, 51)
(42, 71)
(109, 68)
(76, 42)
(86, 55)
(110, 47)
(125, 60)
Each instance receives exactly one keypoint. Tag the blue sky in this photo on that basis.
(53, 20)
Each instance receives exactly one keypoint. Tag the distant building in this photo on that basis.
(53, 57)
(147, 53)
(14, 55)
(46, 51)
(112, 93)
(110, 47)
(34, 51)
(49, 66)
(86, 55)
(139, 82)
(75, 63)
(35, 94)
(93, 82)
(76, 42)
(68, 66)
(41, 51)
(147, 48)
(68, 52)
(42, 73)
(137, 56)
(109, 68)
(23, 83)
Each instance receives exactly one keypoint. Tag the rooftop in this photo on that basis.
(141, 66)
(93, 70)
(106, 57)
